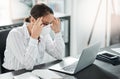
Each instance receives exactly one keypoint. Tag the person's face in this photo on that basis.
(48, 19)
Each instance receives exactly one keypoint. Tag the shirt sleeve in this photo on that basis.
(26, 56)
(55, 47)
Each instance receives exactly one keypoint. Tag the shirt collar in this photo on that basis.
(27, 35)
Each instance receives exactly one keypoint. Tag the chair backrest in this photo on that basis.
(4, 30)
(3, 36)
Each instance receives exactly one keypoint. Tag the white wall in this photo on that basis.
(5, 13)
(83, 14)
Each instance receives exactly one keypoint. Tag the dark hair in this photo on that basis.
(39, 10)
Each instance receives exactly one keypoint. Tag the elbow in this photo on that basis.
(29, 67)
(29, 64)
(59, 57)
(61, 53)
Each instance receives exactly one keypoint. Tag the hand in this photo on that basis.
(56, 25)
(37, 28)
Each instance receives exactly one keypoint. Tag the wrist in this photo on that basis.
(57, 31)
(34, 37)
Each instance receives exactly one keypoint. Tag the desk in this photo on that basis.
(98, 70)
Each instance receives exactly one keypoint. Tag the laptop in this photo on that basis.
(72, 65)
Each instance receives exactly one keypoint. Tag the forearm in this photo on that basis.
(57, 47)
(31, 54)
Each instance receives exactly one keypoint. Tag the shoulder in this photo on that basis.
(18, 31)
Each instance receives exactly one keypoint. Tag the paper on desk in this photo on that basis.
(46, 74)
(27, 75)
(116, 50)
(6, 76)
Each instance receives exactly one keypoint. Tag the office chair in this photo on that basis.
(4, 30)
(3, 36)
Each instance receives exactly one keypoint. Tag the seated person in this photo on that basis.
(26, 45)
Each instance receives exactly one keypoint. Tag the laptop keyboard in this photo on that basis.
(70, 67)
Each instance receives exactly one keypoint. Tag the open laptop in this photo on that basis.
(72, 65)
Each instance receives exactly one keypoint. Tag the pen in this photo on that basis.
(38, 77)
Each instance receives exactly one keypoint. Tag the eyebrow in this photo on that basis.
(48, 22)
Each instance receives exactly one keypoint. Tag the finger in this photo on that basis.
(42, 25)
(58, 20)
(36, 22)
(55, 18)
(39, 21)
(54, 21)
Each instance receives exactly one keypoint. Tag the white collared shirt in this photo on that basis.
(22, 51)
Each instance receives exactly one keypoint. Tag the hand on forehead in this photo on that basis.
(48, 19)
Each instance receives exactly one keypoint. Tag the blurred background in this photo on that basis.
(87, 20)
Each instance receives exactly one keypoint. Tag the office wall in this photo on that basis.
(82, 17)
(5, 12)
(115, 23)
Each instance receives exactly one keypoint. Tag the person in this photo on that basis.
(26, 45)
